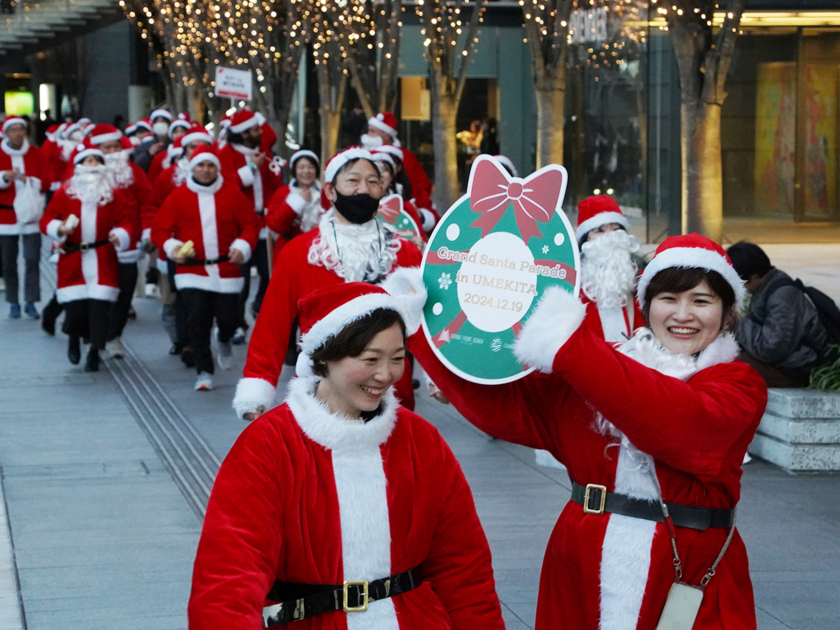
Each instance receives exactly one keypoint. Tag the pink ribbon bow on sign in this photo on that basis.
(391, 208)
(534, 198)
(276, 165)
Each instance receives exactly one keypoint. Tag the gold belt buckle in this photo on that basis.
(589, 488)
(83, 247)
(363, 595)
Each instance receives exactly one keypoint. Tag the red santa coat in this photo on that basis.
(216, 218)
(165, 183)
(283, 214)
(30, 161)
(308, 496)
(51, 150)
(136, 193)
(92, 274)
(610, 569)
(258, 186)
(294, 278)
(421, 186)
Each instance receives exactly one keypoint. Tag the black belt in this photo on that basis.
(193, 262)
(596, 500)
(70, 248)
(5, 206)
(301, 601)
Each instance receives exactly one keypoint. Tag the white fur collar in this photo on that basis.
(212, 189)
(646, 349)
(335, 431)
(8, 150)
(241, 148)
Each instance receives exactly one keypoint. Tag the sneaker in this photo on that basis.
(14, 311)
(238, 337)
(204, 382)
(115, 348)
(152, 291)
(225, 356)
(31, 311)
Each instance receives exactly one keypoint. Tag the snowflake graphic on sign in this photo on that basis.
(493, 245)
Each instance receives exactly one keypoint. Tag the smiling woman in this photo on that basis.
(341, 509)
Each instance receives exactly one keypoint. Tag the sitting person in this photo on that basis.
(340, 508)
(781, 333)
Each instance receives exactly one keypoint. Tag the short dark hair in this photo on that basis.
(308, 159)
(352, 340)
(679, 279)
(749, 260)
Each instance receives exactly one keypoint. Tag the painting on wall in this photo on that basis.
(820, 94)
(775, 139)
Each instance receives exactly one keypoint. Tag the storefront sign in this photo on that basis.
(392, 212)
(234, 83)
(488, 261)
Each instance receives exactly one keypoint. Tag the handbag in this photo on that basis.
(29, 202)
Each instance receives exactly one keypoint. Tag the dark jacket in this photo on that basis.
(782, 325)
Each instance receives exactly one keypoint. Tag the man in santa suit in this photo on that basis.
(349, 245)
(172, 310)
(23, 176)
(92, 221)
(212, 217)
(247, 162)
(382, 130)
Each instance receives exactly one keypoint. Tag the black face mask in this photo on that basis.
(357, 209)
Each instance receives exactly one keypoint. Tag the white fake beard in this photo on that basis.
(119, 169)
(67, 147)
(608, 271)
(357, 253)
(182, 171)
(371, 142)
(91, 184)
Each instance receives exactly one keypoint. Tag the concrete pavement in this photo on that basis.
(104, 484)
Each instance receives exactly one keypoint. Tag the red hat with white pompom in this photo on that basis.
(85, 150)
(104, 133)
(593, 212)
(692, 251)
(327, 311)
(196, 133)
(204, 154)
(243, 120)
(386, 122)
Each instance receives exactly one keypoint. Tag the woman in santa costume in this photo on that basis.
(340, 509)
(296, 208)
(214, 216)
(23, 178)
(349, 245)
(667, 414)
(93, 221)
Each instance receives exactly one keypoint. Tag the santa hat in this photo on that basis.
(505, 161)
(87, 129)
(69, 129)
(340, 159)
(85, 150)
(143, 123)
(692, 251)
(125, 144)
(51, 131)
(327, 311)
(196, 133)
(386, 122)
(183, 121)
(243, 120)
(593, 212)
(204, 154)
(13, 120)
(104, 133)
(84, 121)
(176, 149)
(393, 151)
(303, 153)
(161, 113)
(379, 156)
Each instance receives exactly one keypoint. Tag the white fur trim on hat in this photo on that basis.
(204, 156)
(160, 113)
(406, 285)
(557, 316)
(378, 156)
(251, 394)
(392, 150)
(602, 218)
(249, 122)
(378, 122)
(692, 258)
(106, 137)
(303, 153)
(81, 155)
(340, 159)
(335, 321)
(13, 120)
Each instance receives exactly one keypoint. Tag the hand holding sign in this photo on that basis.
(485, 274)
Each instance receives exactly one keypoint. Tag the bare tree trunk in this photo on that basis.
(551, 102)
(331, 106)
(444, 113)
(702, 191)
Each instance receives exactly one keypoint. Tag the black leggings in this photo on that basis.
(201, 308)
(89, 319)
(259, 259)
(120, 308)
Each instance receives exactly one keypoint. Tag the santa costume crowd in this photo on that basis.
(338, 507)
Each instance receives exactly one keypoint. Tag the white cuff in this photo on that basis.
(246, 175)
(252, 393)
(4, 184)
(428, 218)
(147, 234)
(243, 246)
(170, 247)
(55, 186)
(52, 230)
(406, 284)
(296, 202)
(123, 235)
(557, 316)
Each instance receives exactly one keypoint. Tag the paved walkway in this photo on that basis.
(105, 475)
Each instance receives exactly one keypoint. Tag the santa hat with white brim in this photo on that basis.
(196, 133)
(393, 151)
(13, 120)
(338, 161)
(596, 211)
(303, 153)
(692, 251)
(104, 133)
(86, 150)
(204, 154)
(386, 122)
(243, 120)
(161, 113)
